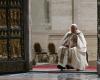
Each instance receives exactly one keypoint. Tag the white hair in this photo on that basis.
(74, 25)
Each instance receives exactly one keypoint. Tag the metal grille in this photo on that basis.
(11, 29)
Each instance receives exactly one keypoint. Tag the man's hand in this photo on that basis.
(72, 46)
(67, 46)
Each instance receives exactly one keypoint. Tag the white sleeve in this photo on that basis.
(81, 44)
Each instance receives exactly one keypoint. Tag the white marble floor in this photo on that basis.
(50, 76)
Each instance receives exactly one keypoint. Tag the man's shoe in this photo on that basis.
(69, 67)
(60, 67)
(78, 70)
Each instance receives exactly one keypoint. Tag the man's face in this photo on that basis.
(73, 29)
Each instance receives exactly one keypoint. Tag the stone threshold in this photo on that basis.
(64, 71)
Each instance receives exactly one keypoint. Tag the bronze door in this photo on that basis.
(98, 33)
(12, 35)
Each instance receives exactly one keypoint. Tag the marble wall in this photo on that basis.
(87, 15)
(61, 14)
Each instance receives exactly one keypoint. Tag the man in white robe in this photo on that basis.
(72, 52)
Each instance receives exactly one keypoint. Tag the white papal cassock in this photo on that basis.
(75, 56)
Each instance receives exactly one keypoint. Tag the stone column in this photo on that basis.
(75, 4)
(30, 34)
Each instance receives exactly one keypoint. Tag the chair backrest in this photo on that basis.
(37, 47)
(51, 48)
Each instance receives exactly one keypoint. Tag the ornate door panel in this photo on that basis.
(12, 35)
